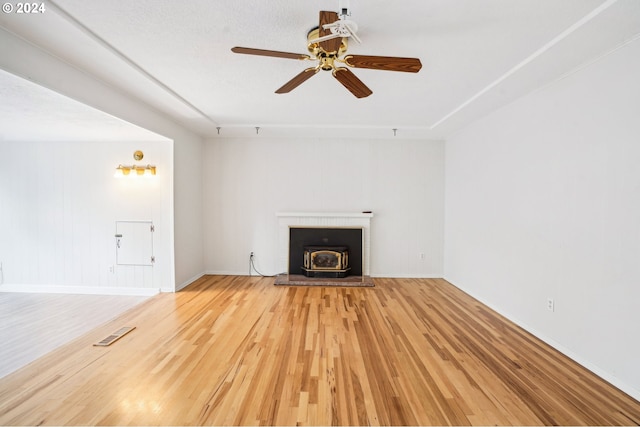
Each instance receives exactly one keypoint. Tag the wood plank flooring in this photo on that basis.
(232, 350)
(31, 325)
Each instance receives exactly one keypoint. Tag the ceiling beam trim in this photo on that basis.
(71, 19)
(587, 18)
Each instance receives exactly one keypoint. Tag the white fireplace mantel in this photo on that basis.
(325, 214)
(286, 220)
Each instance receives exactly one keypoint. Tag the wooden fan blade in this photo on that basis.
(351, 82)
(331, 45)
(298, 80)
(388, 63)
(274, 53)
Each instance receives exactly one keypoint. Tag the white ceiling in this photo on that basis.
(477, 55)
(29, 112)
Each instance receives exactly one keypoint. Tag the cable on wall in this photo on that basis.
(253, 268)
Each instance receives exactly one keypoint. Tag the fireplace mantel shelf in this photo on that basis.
(326, 214)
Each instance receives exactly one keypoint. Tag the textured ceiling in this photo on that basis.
(477, 55)
(29, 112)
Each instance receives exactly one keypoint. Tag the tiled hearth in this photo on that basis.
(300, 280)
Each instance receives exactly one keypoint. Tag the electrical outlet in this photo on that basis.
(112, 269)
(551, 306)
(251, 255)
(422, 256)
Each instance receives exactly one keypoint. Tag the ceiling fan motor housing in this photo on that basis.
(315, 49)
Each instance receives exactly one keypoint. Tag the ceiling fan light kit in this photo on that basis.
(327, 44)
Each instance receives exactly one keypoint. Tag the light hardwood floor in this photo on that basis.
(239, 351)
(31, 325)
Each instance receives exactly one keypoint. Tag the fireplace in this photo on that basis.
(326, 261)
(325, 252)
(291, 252)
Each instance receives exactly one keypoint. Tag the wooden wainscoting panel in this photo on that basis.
(231, 350)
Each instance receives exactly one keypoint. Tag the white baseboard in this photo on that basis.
(225, 273)
(407, 276)
(83, 290)
(612, 379)
(235, 273)
(189, 281)
(391, 276)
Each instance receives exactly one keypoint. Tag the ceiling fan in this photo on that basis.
(327, 44)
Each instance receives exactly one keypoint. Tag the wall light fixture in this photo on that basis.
(135, 170)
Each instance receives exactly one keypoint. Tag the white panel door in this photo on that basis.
(134, 243)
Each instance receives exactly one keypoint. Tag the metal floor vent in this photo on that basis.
(115, 336)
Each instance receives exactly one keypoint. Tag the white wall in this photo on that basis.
(59, 203)
(188, 210)
(24, 59)
(246, 181)
(543, 201)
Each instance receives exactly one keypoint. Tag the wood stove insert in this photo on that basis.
(326, 261)
(337, 249)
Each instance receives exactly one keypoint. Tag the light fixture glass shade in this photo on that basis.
(122, 171)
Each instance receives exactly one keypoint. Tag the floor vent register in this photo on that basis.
(115, 336)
